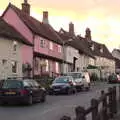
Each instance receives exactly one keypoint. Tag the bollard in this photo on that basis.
(110, 90)
(114, 100)
(94, 104)
(80, 113)
(104, 106)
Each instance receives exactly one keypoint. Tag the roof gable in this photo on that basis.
(8, 31)
(37, 27)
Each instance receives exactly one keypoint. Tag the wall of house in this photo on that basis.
(116, 54)
(12, 18)
(54, 52)
(108, 66)
(46, 67)
(82, 62)
(7, 53)
(27, 55)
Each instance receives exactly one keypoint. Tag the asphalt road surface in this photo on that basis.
(55, 106)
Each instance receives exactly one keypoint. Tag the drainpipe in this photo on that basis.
(33, 56)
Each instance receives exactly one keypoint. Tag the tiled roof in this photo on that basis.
(96, 52)
(77, 43)
(8, 31)
(37, 27)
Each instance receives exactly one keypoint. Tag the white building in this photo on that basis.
(10, 51)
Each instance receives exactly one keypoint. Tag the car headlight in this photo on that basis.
(64, 86)
(43, 88)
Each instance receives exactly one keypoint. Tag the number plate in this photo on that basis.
(10, 93)
(56, 89)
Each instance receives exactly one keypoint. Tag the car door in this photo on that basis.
(37, 89)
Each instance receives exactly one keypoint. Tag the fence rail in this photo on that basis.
(108, 109)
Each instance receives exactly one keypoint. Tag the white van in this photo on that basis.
(82, 79)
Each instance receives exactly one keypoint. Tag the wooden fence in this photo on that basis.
(103, 108)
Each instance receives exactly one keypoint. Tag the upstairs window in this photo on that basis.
(92, 47)
(101, 50)
(42, 43)
(57, 67)
(14, 66)
(51, 45)
(59, 49)
(14, 45)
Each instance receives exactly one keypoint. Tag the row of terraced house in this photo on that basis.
(29, 47)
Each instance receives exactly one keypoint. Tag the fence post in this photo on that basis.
(94, 104)
(104, 106)
(110, 102)
(65, 118)
(114, 100)
(119, 93)
(80, 113)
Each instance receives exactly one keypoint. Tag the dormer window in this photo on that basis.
(101, 50)
(14, 45)
(92, 47)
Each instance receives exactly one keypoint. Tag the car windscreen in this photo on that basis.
(61, 80)
(12, 84)
(75, 75)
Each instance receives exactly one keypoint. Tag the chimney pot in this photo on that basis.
(71, 29)
(45, 17)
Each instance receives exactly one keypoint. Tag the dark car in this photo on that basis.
(113, 79)
(21, 91)
(63, 84)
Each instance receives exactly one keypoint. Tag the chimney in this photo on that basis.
(26, 7)
(45, 17)
(88, 34)
(71, 29)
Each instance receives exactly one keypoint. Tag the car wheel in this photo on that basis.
(74, 91)
(30, 100)
(69, 91)
(43, 99)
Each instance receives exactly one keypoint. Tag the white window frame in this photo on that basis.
(14, 45)
(59, 49)
(42, 43)
(57, 67)
(51, 45)
(14, 63)
(47, 65)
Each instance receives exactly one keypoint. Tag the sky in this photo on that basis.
(101, 16)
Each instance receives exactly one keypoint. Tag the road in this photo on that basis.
(54, 107)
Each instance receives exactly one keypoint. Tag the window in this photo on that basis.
(57, 67)
(4, 62)
(59, 49)
(92, 47)
(36, 64)
(42, 43)
(101, 50)
(14, 66)
(47, 65)
(14, 45)
(51, 45)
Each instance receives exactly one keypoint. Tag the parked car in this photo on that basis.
(82, 80)
(63, 84)
(113, 78)
(21, 91)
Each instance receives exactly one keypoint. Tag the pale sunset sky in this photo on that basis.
(101, 16)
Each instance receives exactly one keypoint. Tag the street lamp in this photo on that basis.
(63, 45)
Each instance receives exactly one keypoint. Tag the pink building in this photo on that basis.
(46, 54)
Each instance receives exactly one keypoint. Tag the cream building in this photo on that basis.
(11, 58)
